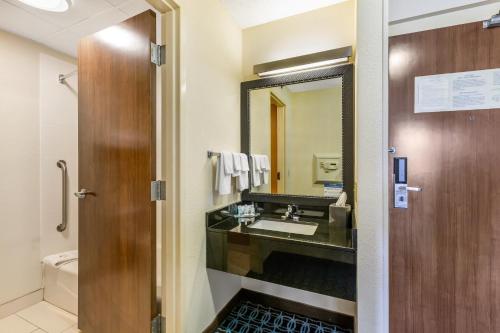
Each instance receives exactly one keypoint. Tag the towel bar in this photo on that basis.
(211, 154)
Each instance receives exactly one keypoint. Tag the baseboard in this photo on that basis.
(340, 319)
(20, 303)
(225, 311)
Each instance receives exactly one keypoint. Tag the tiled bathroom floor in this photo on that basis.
(40, 318)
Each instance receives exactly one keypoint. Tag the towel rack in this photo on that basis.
(211, 154)
(64, 172)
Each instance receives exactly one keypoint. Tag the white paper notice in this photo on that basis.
(474, 90)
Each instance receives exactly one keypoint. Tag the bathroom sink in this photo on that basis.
(301, 228)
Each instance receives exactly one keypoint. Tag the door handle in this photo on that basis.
(414, 189)
(82, 194)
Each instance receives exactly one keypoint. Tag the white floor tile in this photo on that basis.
(73, 329)
(14, 324)
(39, 331)
(48, 317)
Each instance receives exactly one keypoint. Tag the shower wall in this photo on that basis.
(58, 141)
(34, 110)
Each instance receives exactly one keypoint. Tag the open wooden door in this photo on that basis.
(445, 247)
(116, 106)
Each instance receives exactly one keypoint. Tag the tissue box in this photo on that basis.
(340, 216)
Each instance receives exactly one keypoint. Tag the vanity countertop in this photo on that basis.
(339, 238)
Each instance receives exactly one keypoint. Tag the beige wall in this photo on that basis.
(21, 140)
(371, 146)
(314, 125)
(58, 141)
(210, 75)
(19, 158)
(323, 29)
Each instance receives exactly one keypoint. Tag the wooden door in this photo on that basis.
(116, 106)
(445, 248)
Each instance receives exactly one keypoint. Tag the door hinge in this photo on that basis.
(158, 190)
(158, 54)
(158, 324)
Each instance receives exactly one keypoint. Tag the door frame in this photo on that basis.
(168, 128)
(280, 112)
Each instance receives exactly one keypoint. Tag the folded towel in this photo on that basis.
(60, 259)
(244, 162)
(228, 162)
(255, 165)
(264, 162)
(224, 172)
(265, 167)
(243, 177)
(236, 164)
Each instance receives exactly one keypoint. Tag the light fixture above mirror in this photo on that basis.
(49, 5)
(319, 60)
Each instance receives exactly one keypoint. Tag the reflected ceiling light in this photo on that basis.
(119, 37)
(304, 63)
(49, 5)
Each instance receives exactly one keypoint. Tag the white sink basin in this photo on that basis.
(288, 227)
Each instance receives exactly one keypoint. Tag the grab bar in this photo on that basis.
(62, 165)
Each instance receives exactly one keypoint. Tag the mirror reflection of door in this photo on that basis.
(277, 145)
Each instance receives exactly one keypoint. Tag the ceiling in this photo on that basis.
(62, 31)
(249, 13)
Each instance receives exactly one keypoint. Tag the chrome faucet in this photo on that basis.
(292, 213)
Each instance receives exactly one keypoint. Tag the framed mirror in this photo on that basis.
(298, 131)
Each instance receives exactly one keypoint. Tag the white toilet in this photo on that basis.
(60, 280)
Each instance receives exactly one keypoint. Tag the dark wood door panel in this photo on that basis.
(445, 249)
(117, 163)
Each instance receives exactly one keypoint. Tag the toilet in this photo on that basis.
(60, 280)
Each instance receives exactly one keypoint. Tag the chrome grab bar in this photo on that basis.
(62, 165)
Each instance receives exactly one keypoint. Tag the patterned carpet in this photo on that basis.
(254, 318)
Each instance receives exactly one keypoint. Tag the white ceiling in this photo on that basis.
(249, 13)
(315, 85)
(62, 31)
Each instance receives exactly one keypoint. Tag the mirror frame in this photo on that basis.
(346, 73)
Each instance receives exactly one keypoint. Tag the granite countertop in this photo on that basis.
(339, 238)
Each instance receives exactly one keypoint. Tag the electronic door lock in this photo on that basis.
(401, 187)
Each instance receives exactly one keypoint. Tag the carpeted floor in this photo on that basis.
(255, 318)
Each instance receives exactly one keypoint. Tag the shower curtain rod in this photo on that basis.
(63, 77)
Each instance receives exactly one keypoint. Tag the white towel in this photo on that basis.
(265, 167)
(255, 170)
(243, 177)
(236, 164)
(228, 162)
(224, 172)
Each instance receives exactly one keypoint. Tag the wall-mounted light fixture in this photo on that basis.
(304, 63)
